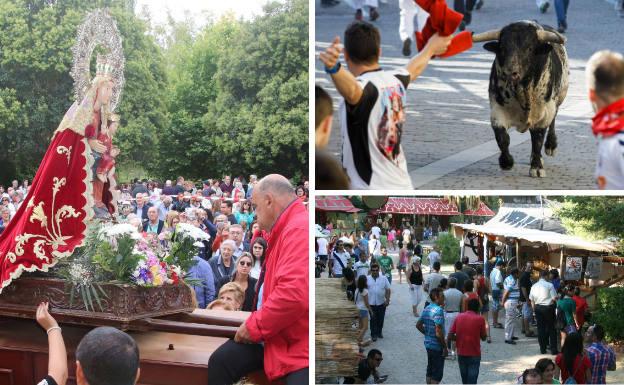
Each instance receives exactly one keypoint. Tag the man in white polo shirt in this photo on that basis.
(543, 296)
(378, 299)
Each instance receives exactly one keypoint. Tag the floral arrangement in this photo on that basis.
(118, 253)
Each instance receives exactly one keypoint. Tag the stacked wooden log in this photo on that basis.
(336, 331)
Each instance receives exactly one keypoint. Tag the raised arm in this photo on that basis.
(437, 45)
(345, 82)
(57, 355)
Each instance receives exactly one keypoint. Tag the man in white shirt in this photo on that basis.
(378, 299)
(406, 236)
(374, 247)
(543, 297)
(434, 257)
(376, 231)
(373, 113)
(496, 280)
(339, 260)
(322, 253)
(432, 281)
(362, 266)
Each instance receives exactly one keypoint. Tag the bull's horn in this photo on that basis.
(550, 37)
(486, 36)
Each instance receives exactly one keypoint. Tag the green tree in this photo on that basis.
(36, 39)
(593, 217)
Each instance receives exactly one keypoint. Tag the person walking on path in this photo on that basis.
(510, 302)
(567, 307)
(433, 281)
(459, 275)
(496, 281)
(581, 307)
(468, 329)
(364, 309)
(433, 257)
(573, 362)
(409, 9)
(452, 307)
(404, 257)
(339, 260)
(431, 325)
(482, 283)
(415, 280)
(362, 266)
(386, 264)
(379, 299)
(601, 356)
(543, 297)
(527, 309)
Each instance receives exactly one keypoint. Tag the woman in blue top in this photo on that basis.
(245, 213)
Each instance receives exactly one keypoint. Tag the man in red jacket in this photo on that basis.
(275, 336)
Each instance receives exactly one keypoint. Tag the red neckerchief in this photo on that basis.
(610, 120)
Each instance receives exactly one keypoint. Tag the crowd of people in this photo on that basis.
(460, 309)
(274, 338)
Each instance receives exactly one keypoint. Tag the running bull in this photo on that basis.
(528, 83)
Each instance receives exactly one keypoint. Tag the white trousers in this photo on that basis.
(511, 316)
(416, 295)
(409, 9)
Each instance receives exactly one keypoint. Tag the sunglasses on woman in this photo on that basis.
(243, 263)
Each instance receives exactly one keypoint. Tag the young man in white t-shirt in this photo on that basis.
(605, 78)
(372, 115)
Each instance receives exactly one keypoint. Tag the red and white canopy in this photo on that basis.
(482, 211)
(335, 203)
(420, 206)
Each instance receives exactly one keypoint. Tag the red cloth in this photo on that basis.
(282, 321)
(581, 364)
(443, 21)
(468, 328)
(581, 306)
(610, 120)
(51, 222)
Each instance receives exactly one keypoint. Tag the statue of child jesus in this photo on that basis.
(105, 167)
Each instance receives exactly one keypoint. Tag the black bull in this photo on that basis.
(528, 83)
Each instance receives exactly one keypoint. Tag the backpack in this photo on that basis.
(571, 379)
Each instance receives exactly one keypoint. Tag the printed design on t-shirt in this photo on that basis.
(390, 127)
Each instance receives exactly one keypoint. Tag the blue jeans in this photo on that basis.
(561, 8)
(469, 368)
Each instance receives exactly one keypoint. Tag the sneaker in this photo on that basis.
(510, 342)
(358, 15)
(407, 50)
(544, 7)
(479, 5)
(514, 338)
(561, 29)
(374, 15)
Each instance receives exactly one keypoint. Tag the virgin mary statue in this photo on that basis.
(53, 220)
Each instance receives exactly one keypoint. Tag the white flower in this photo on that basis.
(114, 231)
(198, 244)
(187, 230)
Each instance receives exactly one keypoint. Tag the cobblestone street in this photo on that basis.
(448, 139)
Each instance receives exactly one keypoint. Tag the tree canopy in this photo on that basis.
(231, 97)
(593, 217)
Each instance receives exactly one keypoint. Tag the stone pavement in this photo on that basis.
(448, 139)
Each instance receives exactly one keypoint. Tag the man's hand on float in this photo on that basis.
(242, 335)
(97, 146)
(44, 318)
(332, 53)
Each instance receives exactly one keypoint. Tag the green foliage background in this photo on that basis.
(607, 314)
(231, 97)
(449, 248)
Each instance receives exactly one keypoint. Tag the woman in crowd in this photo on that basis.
(482, 283)
(404, 256)
(231, 293)
(301, 194)
(414, 277)
(364, 309)
(224, 264)
(258, 251)
(245, 213)
(469, 294)
(547, 367)
(566, 307)
(572, 360)
(242, 277)
(392, 242)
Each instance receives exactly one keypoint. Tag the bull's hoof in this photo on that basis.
(506, 161)
(550, 151)
(537, 173)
